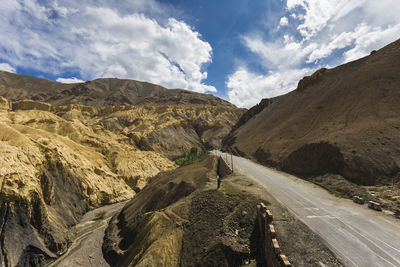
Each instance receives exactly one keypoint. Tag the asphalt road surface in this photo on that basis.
(357, 235)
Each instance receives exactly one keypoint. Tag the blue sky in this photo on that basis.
(241, 50)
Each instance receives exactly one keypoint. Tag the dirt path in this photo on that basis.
(88, 239)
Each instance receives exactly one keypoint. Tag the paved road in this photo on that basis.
(357, 235)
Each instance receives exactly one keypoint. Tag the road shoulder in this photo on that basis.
(302, 246)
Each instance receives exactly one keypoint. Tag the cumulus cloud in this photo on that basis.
(104, 38)
(375, 38)
(281, 53)
(7, 67)
(284, 21)
(320, 13)
(69, 80)
(249, 88)
(325, 33)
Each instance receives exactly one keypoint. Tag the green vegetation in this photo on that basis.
(246, 250)
(229, 191)
(339, 194)
(334, 192)
(100, 215)
(388, 197)
(155, 216)
(190, 156)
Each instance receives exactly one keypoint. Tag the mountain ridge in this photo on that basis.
(98, 92)
(343, 120)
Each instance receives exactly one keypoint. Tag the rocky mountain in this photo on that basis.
(60, 158)
(99, 93)
(54, 168)
(344, 121)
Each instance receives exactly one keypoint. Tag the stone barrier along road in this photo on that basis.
(223, 168)
(271, 250)
(374, 205)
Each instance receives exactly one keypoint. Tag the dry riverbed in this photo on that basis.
(85, 249)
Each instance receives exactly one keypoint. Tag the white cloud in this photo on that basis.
(280, 54)
(7, 67)
(69, 80)
(330, 32)
(104, 38)
(319, 13)
(284, 21)
(376, 38)
(248, 88)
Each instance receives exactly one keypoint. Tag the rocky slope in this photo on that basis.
(169, 121)
(171, 129)
(53, 169)
(58, 161)
(180, 219)
(344, 120)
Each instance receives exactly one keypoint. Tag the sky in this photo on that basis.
(240, 50)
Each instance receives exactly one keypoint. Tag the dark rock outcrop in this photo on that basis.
(315, 159)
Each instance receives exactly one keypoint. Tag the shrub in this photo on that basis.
(190, 156)
(100, 215)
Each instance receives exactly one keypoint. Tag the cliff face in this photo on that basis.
(344, 120)
(171, 129)
(60, 158)
(53, 170)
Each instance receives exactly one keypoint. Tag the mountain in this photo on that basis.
(98, 93)
(182, 119)
(344, 121)
(87, 145)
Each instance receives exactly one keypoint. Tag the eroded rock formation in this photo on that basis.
(59, 161)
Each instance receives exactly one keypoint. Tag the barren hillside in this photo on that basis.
(53, 169)
(344, 120)
(99, 92)
(62, 159)
(180, 219)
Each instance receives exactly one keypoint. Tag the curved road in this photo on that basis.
(357, 235)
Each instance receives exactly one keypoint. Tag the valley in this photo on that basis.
(58, 162)
(116, 172)
(338, 129)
